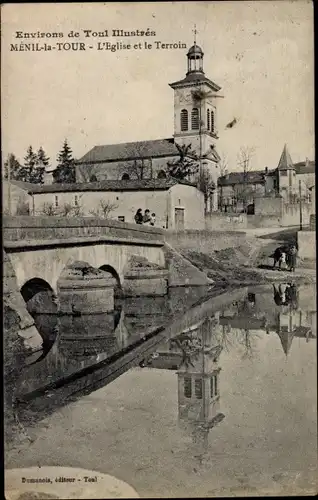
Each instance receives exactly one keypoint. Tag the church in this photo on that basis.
(195, 124)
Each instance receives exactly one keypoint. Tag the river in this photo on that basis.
(184, 395)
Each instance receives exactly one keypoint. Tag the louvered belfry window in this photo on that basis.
(212, 121)
(195, 119)
(184, 120)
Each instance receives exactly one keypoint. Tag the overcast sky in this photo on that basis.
(260, 53)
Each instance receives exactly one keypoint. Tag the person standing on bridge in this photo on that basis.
(139, 216)
(153, 219)
(147, 217)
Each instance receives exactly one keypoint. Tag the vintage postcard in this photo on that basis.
(159, 260)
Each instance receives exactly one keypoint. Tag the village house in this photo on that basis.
(288, 181)
(195, 124)
(177, 205)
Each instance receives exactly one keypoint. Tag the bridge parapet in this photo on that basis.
(26, 228)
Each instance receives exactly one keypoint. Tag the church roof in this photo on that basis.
(285, 161)
(130, 151)
(108, 185)
(195, 78)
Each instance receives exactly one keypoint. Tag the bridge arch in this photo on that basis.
(111, 270)
(34, 286)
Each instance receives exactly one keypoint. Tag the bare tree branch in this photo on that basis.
(104, 209)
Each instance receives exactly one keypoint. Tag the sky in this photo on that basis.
(260, 53)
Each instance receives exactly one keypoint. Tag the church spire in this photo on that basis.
(195, 34)
(285, 161)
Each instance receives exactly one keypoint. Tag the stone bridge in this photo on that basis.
(41, 248)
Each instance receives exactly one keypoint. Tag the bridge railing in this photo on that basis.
(26, 228)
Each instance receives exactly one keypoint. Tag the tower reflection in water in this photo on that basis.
(195, 354)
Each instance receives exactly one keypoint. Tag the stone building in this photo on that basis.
(284, 181)
(195, 124)
(177, 205)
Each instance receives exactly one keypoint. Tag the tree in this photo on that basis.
(42, 161)
(223, 164)
(185, 166)
(223, 168)
(32, 170)
(104, 209)
(48, 209)
(15, 168)
(65, 170)
(141, 168)
(28, 169)
(244, 191)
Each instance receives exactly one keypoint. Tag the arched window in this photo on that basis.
(162, 174)
(212, 121)
(184, 120)
(125, 177)
(208, 119)
(195, 119)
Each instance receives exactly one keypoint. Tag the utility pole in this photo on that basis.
(300, 208)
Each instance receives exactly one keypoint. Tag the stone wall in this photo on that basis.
(264, 221)
(306, 244)
(268, 206)
(225, 221)
(204, 241)
(285, 214)
(114, 170)
(29, 228)
(291, 214)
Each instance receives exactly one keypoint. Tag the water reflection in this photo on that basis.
(90, 351)
(225, 383)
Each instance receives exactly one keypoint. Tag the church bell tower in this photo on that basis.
(195, 114)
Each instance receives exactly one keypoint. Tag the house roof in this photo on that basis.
(130, 151)
(305, 167)
(197, 77)
(285, 161)
(252, 177)
(111, 185)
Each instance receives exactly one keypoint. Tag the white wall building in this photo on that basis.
(177, 205)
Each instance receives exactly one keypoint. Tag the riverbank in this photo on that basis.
(239, 259)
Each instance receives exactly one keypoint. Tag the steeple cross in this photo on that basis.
(195, 34)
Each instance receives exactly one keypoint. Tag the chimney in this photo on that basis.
(266, 170)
